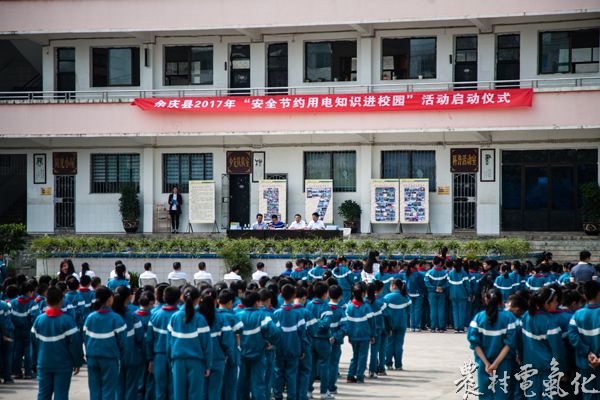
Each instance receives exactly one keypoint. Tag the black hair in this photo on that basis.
(371, 289)
(316, 215)
(120, 271)
(190, 295)
(331, 281)
(42, 288)
(220, 286)
(102, 295)
(12, 291)
(505, 269)
(335, 292)
(176, 265)
(61, 286)
(53, 296)
(45, 279)
(300, 292)
(146, 299)
(72, 283)
(584, 255)
(372, 259)
(273, 289)
(262, 282)
(493, 300)
(274, 216)
(384, 266)
(519, 301)
(571, 296)
(202, 265)
(147, 266)
(399, 284)
(289, 265)
(235, 268)
(85, 267)
(122, 294)
(171, 295)
(438, 260)
(85, 280)
(265, 295)
(25, 288)
(378, 285)
(250, 298)
(443, 251)
(96, 281)
(320, 289)
(591, 290)
(237, 286)
(259, 215)
(539, 298)
(358, 292)
(225, 296)
(288, 292)
(160, 291)
(253, 286)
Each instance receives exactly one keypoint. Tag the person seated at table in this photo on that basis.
(316, 224)
(259, 225)
(298, 223)
(276, 223)
(202, 273)
(177, 273)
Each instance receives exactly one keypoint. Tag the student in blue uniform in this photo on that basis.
(289, 349)
(57, 342)
(436, 281)
(24, 310)
(104, 335)
(584, 338)
(259, 331)
(300, 273)
(40, 298)
(157, 344)
(318, 270)
(305, 366)
(565, 278)
(385, 276)
(492, 336)
(320, 335)
(344, 279)
(537, 280)
(222, 346)
(541, 338)
(146, 383)
(120, 279)
(74, 303)
(395, 317)
(230, 338)
(7, 337)
(266, 305)
(504, 283)
(415, 287)
(132, 360)
(459, 288)
(518, 275)
(337, 335)
(359, 326)
(189, 349)
(378, 349)
(87, 295)
(475, 276)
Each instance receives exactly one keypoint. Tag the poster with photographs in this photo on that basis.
(414, 201)
(384, 201)
(319, 199)
(272, 199)
(201, 202)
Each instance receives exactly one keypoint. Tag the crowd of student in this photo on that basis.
(276, 335)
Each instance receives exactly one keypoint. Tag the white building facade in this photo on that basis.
(89, 60)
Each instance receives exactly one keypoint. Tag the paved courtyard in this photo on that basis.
(431, 363)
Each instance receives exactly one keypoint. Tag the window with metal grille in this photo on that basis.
(110, 172)
(337, 165)
(409, 164)
(179, 169)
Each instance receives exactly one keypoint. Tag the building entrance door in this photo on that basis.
(464, 191)
(239, 199)
(64, 202)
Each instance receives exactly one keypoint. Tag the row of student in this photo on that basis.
(539, 344)
(282, 335)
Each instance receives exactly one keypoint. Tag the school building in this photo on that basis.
(70, 138)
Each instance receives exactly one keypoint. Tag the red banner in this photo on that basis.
(447, 100)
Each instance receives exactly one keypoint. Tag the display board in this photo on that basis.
(384, 201)
(414, 201)
(272, 199)
(319, 199)
(202, 202)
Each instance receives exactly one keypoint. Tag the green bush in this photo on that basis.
(236, 253)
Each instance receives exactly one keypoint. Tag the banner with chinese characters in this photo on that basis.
(384, 201)
(414, 201)
(272, 199)
(319, 199)
(440, 100)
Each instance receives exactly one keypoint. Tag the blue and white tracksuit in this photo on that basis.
(519, 280)
(146, 383)
(378, 349)
(223, 347)
(105, 336)
(7, 329)
(156, 351)
(476, 305)
(116, 282)
(345, 282)
(23, 311)
(506, 286)
(230, 376)
(395, 317)
(337, 333)
(536, 282)
(459, 289)
(359, 326)
(565, 279)
(387, 279)
(270, 359)
(492, 338)
(74, 306)
(57, 342)
(133, 360)
(259, 330)
(88, 296)
(293, 340)
(316, 272)
(300, 274)
(584, 336)
(190, 350)
(305, 365)
(436, 281)
(415, 287)
(321, 347)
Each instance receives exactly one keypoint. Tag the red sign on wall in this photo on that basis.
(446, 100)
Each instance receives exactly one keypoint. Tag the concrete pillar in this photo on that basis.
(257, 64)
(146, 72)
(364, 175)
(365, 57)
(48, 68)
(147, 189)
(486, 57)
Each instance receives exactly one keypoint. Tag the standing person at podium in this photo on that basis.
(175, 203)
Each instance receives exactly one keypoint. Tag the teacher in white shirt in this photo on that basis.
(298, 223)
(316, 224)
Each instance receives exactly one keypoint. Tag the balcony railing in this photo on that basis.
(127, 95)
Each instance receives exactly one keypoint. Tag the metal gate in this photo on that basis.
(464, 190)
(64, 202)
(225, 201)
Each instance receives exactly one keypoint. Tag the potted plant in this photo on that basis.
(590, 211)
(350, 211)
(129, 205)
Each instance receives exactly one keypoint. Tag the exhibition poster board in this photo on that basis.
(272, 199)
(414, 201)
(319, 199)
(202, 202)
(384, 201)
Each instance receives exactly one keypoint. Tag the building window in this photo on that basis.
(337, 165)
(508, 67)
(188, 65)
(569, 51)
(116, 66)
(405, 164)
(179, 169)
(330, 61)
(410, 58)
(110, 172)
